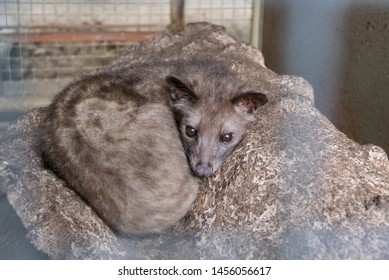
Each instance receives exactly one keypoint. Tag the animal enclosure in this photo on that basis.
(45, 44)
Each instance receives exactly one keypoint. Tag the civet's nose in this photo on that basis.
(204, 169)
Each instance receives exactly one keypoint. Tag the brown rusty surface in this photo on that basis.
(79, 36)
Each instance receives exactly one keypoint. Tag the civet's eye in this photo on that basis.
(226, 137)
(190, 132)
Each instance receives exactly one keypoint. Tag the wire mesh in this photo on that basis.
(55, 39)
(235, 15)
(45, 44)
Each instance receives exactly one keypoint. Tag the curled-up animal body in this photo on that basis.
(120, 152)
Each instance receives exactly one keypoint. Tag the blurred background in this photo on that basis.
(340, 47)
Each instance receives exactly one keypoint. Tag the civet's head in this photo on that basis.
(212, 116)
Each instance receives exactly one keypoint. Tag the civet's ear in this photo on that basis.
(249, 102)
(179, 90)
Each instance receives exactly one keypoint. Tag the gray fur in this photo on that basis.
(113, 138)
(121, 153)
(212, 100)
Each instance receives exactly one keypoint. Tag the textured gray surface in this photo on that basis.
(296, 187)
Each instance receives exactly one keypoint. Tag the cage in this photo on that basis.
(45, 44)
